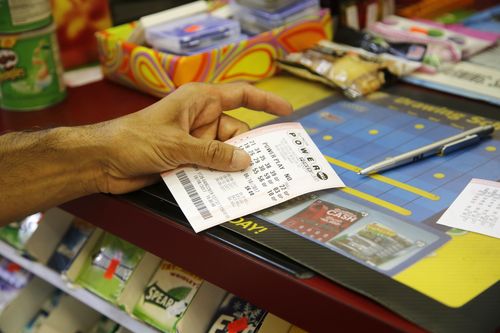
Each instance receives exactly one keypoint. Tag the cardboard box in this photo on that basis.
(159, 73)
(70, 316)
(274, 324)
(64, 314)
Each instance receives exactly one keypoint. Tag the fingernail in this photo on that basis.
(240, 160)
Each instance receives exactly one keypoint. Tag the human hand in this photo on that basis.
(186, 127)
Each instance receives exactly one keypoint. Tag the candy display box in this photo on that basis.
(252, 59)
(197, 316)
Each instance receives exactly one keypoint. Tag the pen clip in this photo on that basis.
(459, 144)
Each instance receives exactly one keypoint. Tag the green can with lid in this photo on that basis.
(24, 15)
(30, 70)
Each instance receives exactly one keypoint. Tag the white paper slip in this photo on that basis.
(285, 163)
(82, 76)
(476, 209)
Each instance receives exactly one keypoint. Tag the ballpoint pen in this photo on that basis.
(440, 147)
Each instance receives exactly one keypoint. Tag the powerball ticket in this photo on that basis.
(285, 164)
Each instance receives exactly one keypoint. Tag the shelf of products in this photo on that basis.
(92, 280)
(83, 295)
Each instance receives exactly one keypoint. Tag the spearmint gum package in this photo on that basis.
(167, 296)
(13, 279)
(110, 266)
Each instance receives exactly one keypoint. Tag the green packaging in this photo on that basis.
(109, 267)
(18, 16)
(17, 234)
(30, 70)
(167, 296)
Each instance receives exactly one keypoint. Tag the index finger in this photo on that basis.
(235, 95)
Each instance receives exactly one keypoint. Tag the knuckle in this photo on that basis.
(197, 86)
(242, 84)
(201, 91)
(247, 92)
(171, 154)
(191, 87)
(245, 98)
(214, 152)
(212, 91)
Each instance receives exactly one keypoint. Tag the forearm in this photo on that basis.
(39, 170)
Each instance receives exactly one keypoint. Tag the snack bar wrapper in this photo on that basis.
(354, 71)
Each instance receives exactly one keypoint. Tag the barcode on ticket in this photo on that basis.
(193, 194)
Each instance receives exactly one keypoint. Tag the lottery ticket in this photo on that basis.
(285, 164)
(375, 244)
(476, 209)
(322, 220)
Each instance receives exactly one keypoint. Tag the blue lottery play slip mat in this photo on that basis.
(204, 31)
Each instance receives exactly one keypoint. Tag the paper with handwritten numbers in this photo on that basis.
(476, 209)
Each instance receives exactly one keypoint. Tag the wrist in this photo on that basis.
(84, 154)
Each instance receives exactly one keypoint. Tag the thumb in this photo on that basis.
(216, 155)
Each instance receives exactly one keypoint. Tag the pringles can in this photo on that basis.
(30, 70)
(24, 15)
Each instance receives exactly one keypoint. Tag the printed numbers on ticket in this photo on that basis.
(285, 163)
